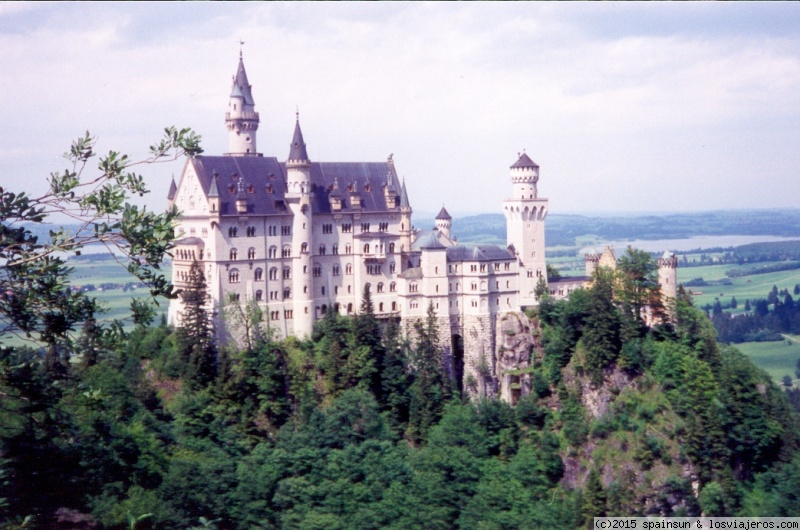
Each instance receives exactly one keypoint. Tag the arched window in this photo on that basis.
(233, 254)
(380, 287)
(251, 253)
(273, 252)
(232, 231)
(304, 248)
(349, 309)
(259, 275)
(392, 287)
(394, 306)
(322, 250)
(287, 293)
(233, 276)
(273, 273)
(324, 308)
(348, 249)
(380, 307)
(366, 248)
(287, 273)
(348, 268)
(391, 248)
(413, 287)
(259, 295)
(287, 251)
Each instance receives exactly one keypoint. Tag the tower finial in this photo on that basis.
(241, 43)
(297, 113)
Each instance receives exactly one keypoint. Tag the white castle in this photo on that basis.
(302, 238)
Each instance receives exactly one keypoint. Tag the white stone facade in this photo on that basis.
(302, 238)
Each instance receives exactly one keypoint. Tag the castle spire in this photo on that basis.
(241, 119)
(404, 204)
(297, 150)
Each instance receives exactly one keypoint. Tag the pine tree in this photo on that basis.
(195, 335)
(593, 499)
(428, 391)
(367, 352)
(601, 331)
(394, 379)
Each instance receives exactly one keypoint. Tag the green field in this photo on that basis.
(746, 287)
(107, 270)
(776, 358)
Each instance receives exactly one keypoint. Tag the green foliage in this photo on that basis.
(601, 332)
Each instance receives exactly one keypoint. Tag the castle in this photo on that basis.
(301, 238)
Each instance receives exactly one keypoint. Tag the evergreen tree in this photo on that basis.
(366, 354)
(734, 303)
(638, 287)
(195, 334)
(428, 390)
(593, 499)
(394, 378)
(601, 331)
(747, 306)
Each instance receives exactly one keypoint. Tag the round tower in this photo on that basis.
(524, 177)
(525, 213)
(298, 197)
(668, 275)
(443, 222)
(241, 119)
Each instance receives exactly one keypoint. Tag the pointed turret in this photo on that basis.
(173, 189)
(443, 222)
(213, 195)
(297, 149)
(241, 119)
(298, 166)
(404, 204)
(241, 87)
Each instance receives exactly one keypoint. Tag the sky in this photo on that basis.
(626, 107)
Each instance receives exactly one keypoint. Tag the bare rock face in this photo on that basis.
(514, 345)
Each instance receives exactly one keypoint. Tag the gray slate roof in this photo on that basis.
(444, 215)
(268, 179)
(241, 87)
(404, 197)
(525, 162)
(428, 240)
(173, 189)
(297, 149)
(478, 253)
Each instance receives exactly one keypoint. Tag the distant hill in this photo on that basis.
(561, 229)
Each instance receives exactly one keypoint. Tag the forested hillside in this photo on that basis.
(357, 427)
(142, 426)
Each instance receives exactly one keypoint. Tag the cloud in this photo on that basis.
(625, 106)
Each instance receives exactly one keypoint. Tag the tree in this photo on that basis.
(601, 331)
(196, 346)
(734, 303)
(35, 300)
(428, 391)
(593, 498)
(638, 285)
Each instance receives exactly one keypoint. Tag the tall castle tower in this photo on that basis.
(241, 118)
(298, 198)
(525, 214)
(668, 275)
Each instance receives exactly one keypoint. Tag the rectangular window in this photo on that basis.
(327, 229)
(286, 230)
(365, 227)
(347, 227)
